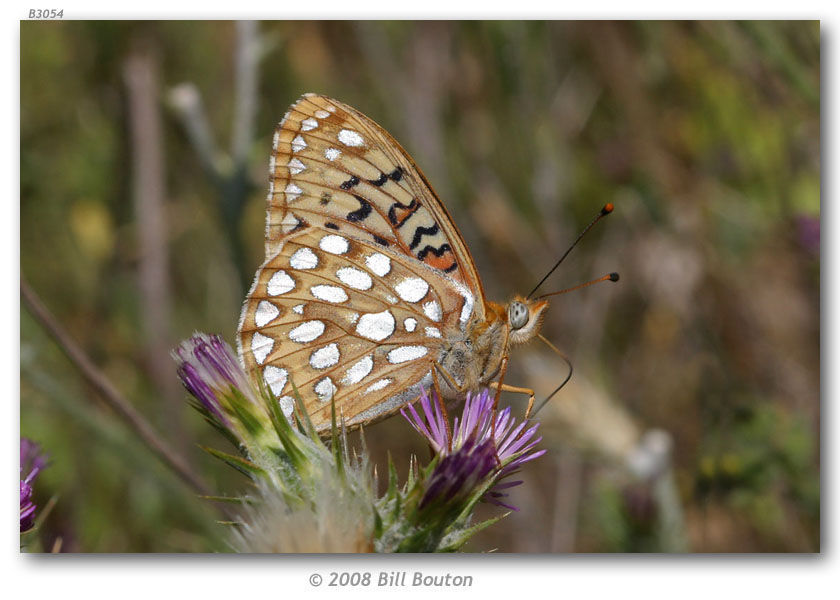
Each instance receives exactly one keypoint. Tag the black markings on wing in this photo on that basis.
(420, 232)
(394, 175)
(362, 212)
(379, 182)
(405, 211)
(329, 225)
(380, 241)
(301, 224)
(436, 251)
(350, 183)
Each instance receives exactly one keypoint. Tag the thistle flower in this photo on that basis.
(31, 463)
(209, 371)
(482, 444)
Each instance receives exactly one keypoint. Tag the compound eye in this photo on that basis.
(518, 315)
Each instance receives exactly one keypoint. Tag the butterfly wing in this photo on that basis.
(345, 320)
(338, 179)
(333, 166)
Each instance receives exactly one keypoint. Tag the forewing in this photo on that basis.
(334, 168)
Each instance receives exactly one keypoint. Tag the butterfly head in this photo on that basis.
(524, 318)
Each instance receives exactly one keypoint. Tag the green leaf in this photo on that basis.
(227, 499)
(378, 525)
(242, 465)
(303, 414)
(282, 428)
(412, 472)
(454, 540)
(241, 407)
(392, 478)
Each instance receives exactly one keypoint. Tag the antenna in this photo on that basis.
(610, 277)
(607, 209)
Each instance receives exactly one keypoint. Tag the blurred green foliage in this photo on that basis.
(705, 135)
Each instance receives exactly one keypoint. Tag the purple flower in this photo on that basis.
(31, 463)
(460, 472)
(483, 443)
(208, 369)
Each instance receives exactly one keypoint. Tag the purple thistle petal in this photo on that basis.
(474, 417)
(436, 421)
(502, 504)
(200, 389)
(209, 356)
(209, 370)
(432, 425)
(503, 423)
(419, 425)
(506, 485)
(480, 440)
(513, 466)
(515, 441)
(32, 461)
(525, 449)
(415, 421)
(530, 445)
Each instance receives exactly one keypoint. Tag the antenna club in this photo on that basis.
(613, 276)
(608, 208)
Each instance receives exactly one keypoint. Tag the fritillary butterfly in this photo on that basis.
(368, 291)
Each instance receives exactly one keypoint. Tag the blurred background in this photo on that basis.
(692, 420)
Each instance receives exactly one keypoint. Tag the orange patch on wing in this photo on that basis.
(445, 262)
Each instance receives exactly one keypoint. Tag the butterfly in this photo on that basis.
(368, 290)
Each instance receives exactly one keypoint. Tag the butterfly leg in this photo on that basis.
(440, 402)
(517, 390)
(499, 385)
